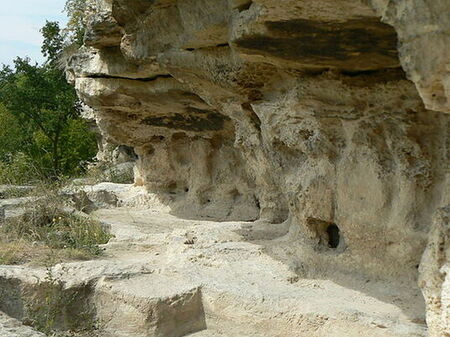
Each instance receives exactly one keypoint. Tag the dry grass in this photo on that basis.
(104, 172)
(12, 192)
(46, 234)
(17, 252)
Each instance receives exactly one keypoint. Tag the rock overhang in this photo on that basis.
(286, 112)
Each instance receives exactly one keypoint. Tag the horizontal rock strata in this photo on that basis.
(330, 116)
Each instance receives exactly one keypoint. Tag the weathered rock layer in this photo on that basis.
(327, 115)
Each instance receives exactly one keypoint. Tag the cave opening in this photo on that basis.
(245, 6)
(334, 236)
(327, 234)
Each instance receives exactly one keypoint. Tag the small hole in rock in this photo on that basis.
(172, 187)
(186, 190)
(333, 236)
(244, 7)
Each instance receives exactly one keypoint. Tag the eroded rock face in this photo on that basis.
(423, 29)
(296, 111)
(435, 275)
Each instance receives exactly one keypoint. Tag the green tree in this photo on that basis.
(53, 43)
(47, 109)
(76, 24)
(40, 95)
(12, 136)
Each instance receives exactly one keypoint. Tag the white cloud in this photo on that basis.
(20, 21)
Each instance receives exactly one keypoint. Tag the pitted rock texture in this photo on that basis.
(435, 275)
(423, 29)
(329, 116)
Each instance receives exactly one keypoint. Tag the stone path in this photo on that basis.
(165, 276)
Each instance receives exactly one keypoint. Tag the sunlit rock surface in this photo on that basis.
(329, 116)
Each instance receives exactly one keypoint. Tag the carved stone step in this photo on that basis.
(148, 306)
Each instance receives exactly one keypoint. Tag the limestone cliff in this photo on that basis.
(330, 116)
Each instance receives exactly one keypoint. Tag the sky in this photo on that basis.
(20, 21)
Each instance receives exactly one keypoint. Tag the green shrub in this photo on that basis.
(18, 169)
(58, 230)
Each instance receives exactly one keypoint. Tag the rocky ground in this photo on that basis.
(163, 275)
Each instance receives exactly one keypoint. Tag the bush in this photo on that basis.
(18, 169)
(12, 134)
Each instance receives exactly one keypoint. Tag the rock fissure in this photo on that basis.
(221, 45)
(140, 79)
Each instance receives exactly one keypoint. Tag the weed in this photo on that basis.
(18, 169)
(48, 232)
(20, 251)
(12, 192)
(59, 311)
(103, 171)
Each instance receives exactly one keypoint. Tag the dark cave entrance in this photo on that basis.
(334, 236)
(327, 234)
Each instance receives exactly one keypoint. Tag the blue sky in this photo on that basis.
(20, 21)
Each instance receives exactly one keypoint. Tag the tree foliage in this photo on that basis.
(53, 43)
(76, 25)
(42, 113)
